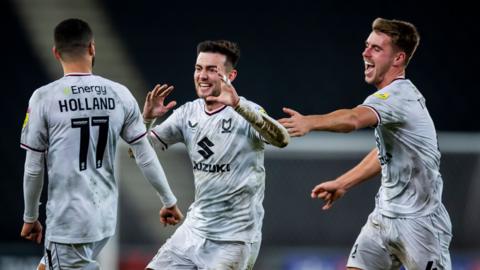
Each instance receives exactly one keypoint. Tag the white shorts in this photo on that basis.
(186, 250)
(416, 243)
(60, 256)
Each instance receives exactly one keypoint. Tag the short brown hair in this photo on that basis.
(72, 37)
(404, 34)
(228, 48)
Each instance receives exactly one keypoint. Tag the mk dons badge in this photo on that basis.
(227, 125)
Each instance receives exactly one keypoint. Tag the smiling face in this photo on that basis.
(207, 82)
(379, 57)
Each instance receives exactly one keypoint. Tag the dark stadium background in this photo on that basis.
(304, 55)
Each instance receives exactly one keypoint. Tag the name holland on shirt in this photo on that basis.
(86, 103)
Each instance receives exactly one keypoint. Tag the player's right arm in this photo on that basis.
(32, 189)
(34, 139)
(331, 191)
(343, 120)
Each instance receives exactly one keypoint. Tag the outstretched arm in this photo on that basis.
(148, 163)
(32, 189)
(270, 129)
(330, 191)
(343, 120)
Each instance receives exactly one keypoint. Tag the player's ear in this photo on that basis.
(91, 48)
(56, 53)
(232, 75)
(400, 59)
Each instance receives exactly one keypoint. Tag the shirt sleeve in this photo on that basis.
(387, 106)
(133, 127)
(34, 135)
(32, 184)
(152, 170)
(168, 132)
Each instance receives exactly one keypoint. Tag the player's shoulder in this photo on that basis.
(118, 89)
(116, 86)
(193, 106)
(43, 92)
(397, 89)
(400, 87)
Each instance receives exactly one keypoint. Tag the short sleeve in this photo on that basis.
(133, 127)
(387, 106)
(169, 131)
(35, 128)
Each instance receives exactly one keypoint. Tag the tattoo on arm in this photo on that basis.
(271, 130)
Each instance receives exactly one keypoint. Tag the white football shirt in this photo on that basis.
(227, 156)
(77, 121)
(408, 152)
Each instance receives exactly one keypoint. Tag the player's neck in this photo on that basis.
(390, 77)
(213, 106)
(77, 67)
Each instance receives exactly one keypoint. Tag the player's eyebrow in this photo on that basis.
(374, 46)
(207, 67)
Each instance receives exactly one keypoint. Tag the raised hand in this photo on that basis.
(329, 192)
(228, 95)
(32, 231)
(297, 124)
(170, 216)
(154, 103)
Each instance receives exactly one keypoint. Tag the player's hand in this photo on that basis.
(228, 95)
(297, 124)
(154, 103)
(171, 215)
(329, 192)
(32, 231)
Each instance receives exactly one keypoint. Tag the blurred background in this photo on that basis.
(298, 54)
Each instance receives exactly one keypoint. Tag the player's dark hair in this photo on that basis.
(72, 37)
(228, 48)
(404, 35)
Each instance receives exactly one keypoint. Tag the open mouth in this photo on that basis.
(204, 86)
(368, 67)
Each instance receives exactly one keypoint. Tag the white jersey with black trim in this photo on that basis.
(227, 156)
(77, 121)
(408, 152)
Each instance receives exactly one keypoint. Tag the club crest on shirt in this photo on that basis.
(383, 96)
(227, 125)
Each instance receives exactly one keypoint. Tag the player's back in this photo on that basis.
(77, 120)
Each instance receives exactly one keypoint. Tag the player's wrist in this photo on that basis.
(236, 102)
(343, 184)
(148, 119)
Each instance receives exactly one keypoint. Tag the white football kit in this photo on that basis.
(76, 122)
(409, 223)
(227, 156)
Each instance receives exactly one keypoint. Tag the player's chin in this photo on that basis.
(202, 95)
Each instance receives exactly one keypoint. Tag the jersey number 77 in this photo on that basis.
(84, 125)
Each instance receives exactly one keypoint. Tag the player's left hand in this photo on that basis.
(171, 215)
(297, 124)
(329, 192)
(32, 231)
(228, 94)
